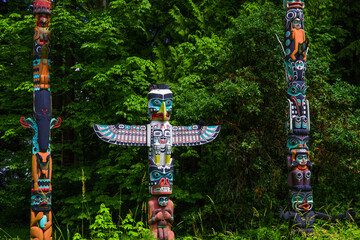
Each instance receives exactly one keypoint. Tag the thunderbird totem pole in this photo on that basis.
(295, 54)
(160, 136)
(40, 212)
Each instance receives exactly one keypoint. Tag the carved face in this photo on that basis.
(161, 133)
(301, 159)
(43, 160)
(297, 23)
(160, 180)
(294, 141)
(43, 21)
(160, 104)
(163, 201)
(294, 4)
(302, 200)
(40, 201)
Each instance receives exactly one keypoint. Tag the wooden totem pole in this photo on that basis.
(41, 124)
(160, 136)
(294, 52)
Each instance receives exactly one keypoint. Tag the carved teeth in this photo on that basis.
(162, 189)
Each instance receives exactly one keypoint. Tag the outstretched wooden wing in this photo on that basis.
(193, 135)
(120, 134)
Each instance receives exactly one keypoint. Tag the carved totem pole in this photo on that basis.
(160, 136)
(41, 123)
(298, 161)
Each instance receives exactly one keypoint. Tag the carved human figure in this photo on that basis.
(42, 32)
(298, 36)
(161, 216)
(41, 216)
(301, 215)
(41, 52)
(300, 167)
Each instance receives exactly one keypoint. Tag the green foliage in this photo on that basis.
(224, 67)
(104, 228)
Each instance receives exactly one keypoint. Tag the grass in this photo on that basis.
(261, 226)
(323, 230)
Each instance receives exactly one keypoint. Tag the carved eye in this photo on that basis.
(293, 141)
(293, 90)
(155, 175)
(290, 15)
(168, 102)
(157, 102)
(38, 199)
(39, 157)
(170, 176)
(157, 133)
(167, 133)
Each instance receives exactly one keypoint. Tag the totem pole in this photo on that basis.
(160, 136)
(41, 124)
(298, 160)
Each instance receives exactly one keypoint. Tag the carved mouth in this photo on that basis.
(291, 5)
(155, 116)
(161, 190)
(305, 206)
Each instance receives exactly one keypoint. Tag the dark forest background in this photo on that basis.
(223, 64)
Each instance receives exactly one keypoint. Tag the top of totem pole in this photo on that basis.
(42, 7)
(294, 4)
(160, 100)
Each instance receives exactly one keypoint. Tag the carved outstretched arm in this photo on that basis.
(323, 216)
(286, 214)
(349, 214)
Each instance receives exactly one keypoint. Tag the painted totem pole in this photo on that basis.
(160, 136)
(41, 124)
(298, 161)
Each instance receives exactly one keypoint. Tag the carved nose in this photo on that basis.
(164, 182)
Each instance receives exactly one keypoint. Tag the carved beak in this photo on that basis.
(163, 111)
